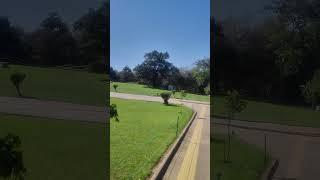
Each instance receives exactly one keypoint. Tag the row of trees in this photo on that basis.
(276, 59)
(55, 43)
(156, 71)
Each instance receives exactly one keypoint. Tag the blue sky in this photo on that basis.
(180, 27)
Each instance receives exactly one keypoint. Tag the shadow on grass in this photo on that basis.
(174, 105)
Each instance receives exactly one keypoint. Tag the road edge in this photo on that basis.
(161, 167)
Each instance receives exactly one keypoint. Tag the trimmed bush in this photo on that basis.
(165, 96)
(115, 86)
(17, 79)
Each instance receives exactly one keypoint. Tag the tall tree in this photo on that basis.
(126, 75)
(92, 32)
(11, 41)
(201, 73)
(113, 74)
(53, 43)
(155, 70)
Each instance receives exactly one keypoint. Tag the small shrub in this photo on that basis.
(17, 79)
(11, 158)
(165, 96)
(115, 86)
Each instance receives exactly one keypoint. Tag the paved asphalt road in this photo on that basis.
(296, 148)
(192, 160)
(52, 109)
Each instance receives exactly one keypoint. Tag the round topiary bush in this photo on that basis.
(165, 96)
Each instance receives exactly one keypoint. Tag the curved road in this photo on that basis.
(192, 160)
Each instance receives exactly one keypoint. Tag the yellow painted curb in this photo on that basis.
(189, 164)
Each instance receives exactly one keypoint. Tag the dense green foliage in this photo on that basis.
(54, 43)
(157, 72)
(269, 59)
(11, 157)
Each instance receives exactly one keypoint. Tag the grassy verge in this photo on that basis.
(133, 88)
(54, 84)
(267, 112)
(247, 161)
(57, 149)
(145, 131)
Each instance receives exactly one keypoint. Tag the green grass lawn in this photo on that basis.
(133, 88)
(53, 84)
(267, 112)
(144, 132)
(247, 161)
(57, 149)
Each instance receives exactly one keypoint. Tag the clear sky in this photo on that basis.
(180, 27)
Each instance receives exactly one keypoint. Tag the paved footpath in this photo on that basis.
(296, 148)
(192, 160)
(52, 109)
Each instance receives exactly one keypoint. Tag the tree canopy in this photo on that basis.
(155, 69)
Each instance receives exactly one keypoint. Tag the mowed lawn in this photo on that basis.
(58, 149)
(134, 88)
(247, 161)
(54, 84)
(273, 113)
(145, 131)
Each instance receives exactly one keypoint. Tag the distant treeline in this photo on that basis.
(155, 71)
(53, 43)
(277, 59)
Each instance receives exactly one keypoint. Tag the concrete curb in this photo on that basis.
(270, 171)
(160, 169)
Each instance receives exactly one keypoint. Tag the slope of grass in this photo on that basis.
(247, 161)
(54, 84)
(57, 149)
(267, 112)
(144, 132)
(133, 88)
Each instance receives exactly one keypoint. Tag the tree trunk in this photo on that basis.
(19, 91)
(166, 101)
